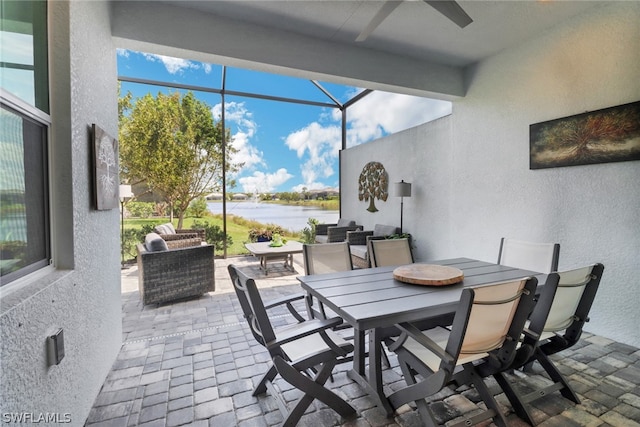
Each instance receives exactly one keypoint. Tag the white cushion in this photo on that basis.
(359, 250)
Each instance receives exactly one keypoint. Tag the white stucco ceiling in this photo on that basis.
(415, 50)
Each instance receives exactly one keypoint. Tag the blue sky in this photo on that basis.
(284, 146)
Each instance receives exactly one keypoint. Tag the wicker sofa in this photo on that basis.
(358, 242)
(168, 233)
(168, 272)
(331, 233)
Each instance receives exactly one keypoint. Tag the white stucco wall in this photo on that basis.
(470, 171)
(83, 295)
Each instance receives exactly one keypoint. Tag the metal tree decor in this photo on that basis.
(372, 184)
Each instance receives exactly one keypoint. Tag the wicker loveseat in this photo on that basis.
(358, 242)
(168, 233)
(167, 274)
(332, 233)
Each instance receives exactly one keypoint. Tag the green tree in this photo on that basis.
(173, 145)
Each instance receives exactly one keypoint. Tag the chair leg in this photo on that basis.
(556, 376)
(493, 409)
(266, 378)
(313, 389)
(423, 406)
(517, 401)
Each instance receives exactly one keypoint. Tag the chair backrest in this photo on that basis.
(388, 252)
(252, 305)
(539, 257)
(384, 230)
(492, 320)
(326, 258)
(565, 302)
(343, 222)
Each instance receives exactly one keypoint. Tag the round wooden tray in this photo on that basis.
(427, 274)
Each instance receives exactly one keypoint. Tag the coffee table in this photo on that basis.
(265, 252)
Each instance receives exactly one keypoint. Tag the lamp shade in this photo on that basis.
(125, 192)
(402, 189)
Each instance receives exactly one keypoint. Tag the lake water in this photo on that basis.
(293, 218)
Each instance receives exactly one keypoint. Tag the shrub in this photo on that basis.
(198, 208)
(265, 233)
(214, 235)
(141, 209)
(309, 233)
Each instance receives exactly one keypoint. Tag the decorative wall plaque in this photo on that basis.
(373, 184)
(105, 179)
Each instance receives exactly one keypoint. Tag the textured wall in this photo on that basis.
(83, 299)
(473, 179)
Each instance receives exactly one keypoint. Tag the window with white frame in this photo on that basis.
(24, 126)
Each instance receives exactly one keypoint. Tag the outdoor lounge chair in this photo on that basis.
(169, 233)
(330, 233)
(540, 257)
(166, 274)
(304, 354)
(482, 340)
(555, 325)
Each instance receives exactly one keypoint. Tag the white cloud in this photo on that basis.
(173, 65)
(261, 182)
(321, 144)
(246, 128)
(382, 113)
(374, 116)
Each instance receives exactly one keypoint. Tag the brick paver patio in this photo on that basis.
(195, 363)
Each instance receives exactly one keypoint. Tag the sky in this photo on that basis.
(284, 147)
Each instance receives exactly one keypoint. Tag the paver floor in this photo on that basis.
(195, 362)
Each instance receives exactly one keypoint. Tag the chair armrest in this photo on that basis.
(288, 300)
(322, 228)
(303, 329)
(339, 234)
(410, 330)
(358, 237)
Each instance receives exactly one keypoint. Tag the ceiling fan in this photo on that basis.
(449, 8)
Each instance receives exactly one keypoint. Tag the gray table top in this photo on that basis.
(371, 298)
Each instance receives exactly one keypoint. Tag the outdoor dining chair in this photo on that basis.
(555, 325)
(540, 257)
(325, 258)
(390, 252)
(481, 341)
(303, 354)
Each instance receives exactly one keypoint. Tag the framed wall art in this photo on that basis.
(601, 136)
(105, 178)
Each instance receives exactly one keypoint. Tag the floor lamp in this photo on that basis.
(402, 190)
(125, 196)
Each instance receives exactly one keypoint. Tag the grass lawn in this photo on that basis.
(237, 227)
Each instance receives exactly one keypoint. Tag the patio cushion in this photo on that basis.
(165, 229)
(359, 250)
(154, 243)
(384, 230)
(342, 222)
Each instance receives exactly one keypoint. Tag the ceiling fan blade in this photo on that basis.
(451, 10)
(384, 11)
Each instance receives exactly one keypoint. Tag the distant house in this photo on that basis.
(214, 196)
(239, 196)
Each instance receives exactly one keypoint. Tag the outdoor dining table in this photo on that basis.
(370, 299)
